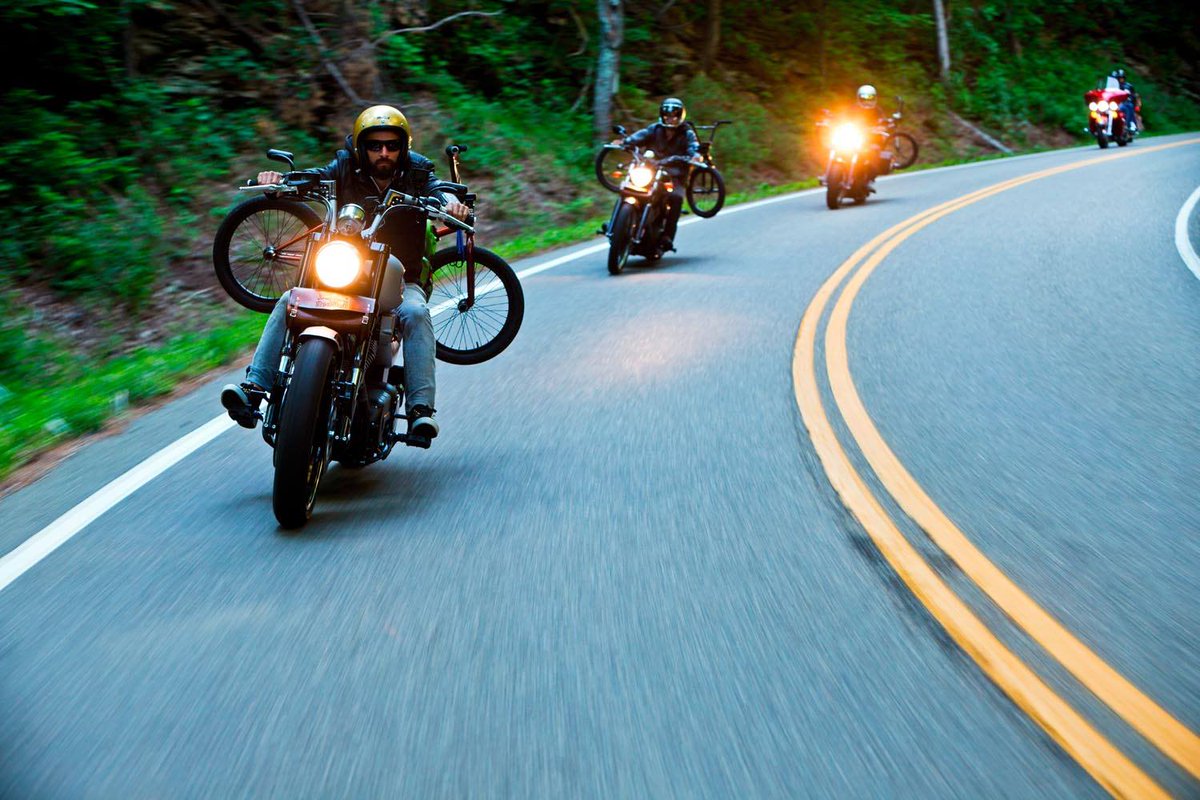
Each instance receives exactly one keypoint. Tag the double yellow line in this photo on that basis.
(1095, 753)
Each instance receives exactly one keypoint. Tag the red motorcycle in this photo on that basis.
(1106, 119)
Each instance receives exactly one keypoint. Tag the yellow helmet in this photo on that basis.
(381, 118)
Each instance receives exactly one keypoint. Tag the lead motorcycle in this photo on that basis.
(327, 404)
(639, 216)
(1106, 119)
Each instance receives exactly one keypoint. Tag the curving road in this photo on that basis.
(624, 570)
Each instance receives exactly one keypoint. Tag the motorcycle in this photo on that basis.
(1106, 119)
(639, 216)
(855, 158)
(330, 402)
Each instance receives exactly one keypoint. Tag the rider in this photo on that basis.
(669, 137)
(871, 119)
(377, 158)
(1130, 105)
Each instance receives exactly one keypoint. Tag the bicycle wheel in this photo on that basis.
(258, 249)
(473, 333)
(611, 164)
(705, 192)
(905, 148)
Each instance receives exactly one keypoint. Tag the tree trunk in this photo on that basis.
(712, 36)
(939, 12)
(608, 65)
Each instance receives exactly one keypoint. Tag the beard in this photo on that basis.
(383, 168)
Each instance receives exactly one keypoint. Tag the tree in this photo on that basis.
(939, 13)
(712, 36)
(608, 65)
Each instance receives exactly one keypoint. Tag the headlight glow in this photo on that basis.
(847, 137)
(1093, 105)
(649, 154)
(338, 264)
(1103, 105)
(641, 176)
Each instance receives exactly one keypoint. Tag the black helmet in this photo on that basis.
(1119, 74)
(671, 112)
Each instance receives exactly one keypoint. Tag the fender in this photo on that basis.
(320, 332)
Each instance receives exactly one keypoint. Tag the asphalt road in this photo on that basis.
(622, 571)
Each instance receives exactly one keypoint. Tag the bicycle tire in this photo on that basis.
(491, 324)
(258, 248)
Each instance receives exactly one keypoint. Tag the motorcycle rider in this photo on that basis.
(377, 158)
(1130, 106)
(669, 137)
(868, 116)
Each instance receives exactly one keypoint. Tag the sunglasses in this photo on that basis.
(393, 145)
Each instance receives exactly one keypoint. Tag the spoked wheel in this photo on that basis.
(905, 149)
(621, 243)
(302, 443)
(466, 332)
(258, 249)
(833, 187)
(612, 163)
(705, 192)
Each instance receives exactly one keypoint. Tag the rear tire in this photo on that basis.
(258, 249)
(612, 162)
(621, 242)
(302, 443)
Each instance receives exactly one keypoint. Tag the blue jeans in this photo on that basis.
(1130, 114)
(416, 331)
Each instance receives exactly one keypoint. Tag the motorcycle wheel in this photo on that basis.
(612, 163)
(621, 243)
(833, 187)
(906, 149)
(302, 443)
(476, 333)
(1102, 140)
(258, 249)
(705, 192)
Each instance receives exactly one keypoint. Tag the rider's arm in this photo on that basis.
(638, 138)
(693, 144)
(450, 202)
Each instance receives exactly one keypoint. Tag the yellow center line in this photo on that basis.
(1099, 757)
(1131, 704)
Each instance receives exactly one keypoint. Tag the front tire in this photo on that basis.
(302, 443)
(1102, 140)
(705, 192)
(473, 334)
(621, 243)
(833, 187)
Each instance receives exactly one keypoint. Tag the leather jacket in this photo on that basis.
(404, 232)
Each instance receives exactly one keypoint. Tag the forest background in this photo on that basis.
(127, 123)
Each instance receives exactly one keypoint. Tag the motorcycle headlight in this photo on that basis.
(338, 264)
(1092, 106)
(641, 176)
(847, 137)
(1103, 105)
(649, 154)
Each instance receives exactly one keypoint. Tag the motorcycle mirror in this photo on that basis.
(619, 130)
(281, 155)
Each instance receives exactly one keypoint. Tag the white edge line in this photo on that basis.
(51, 537)
(26, 555)
(1182, 243)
